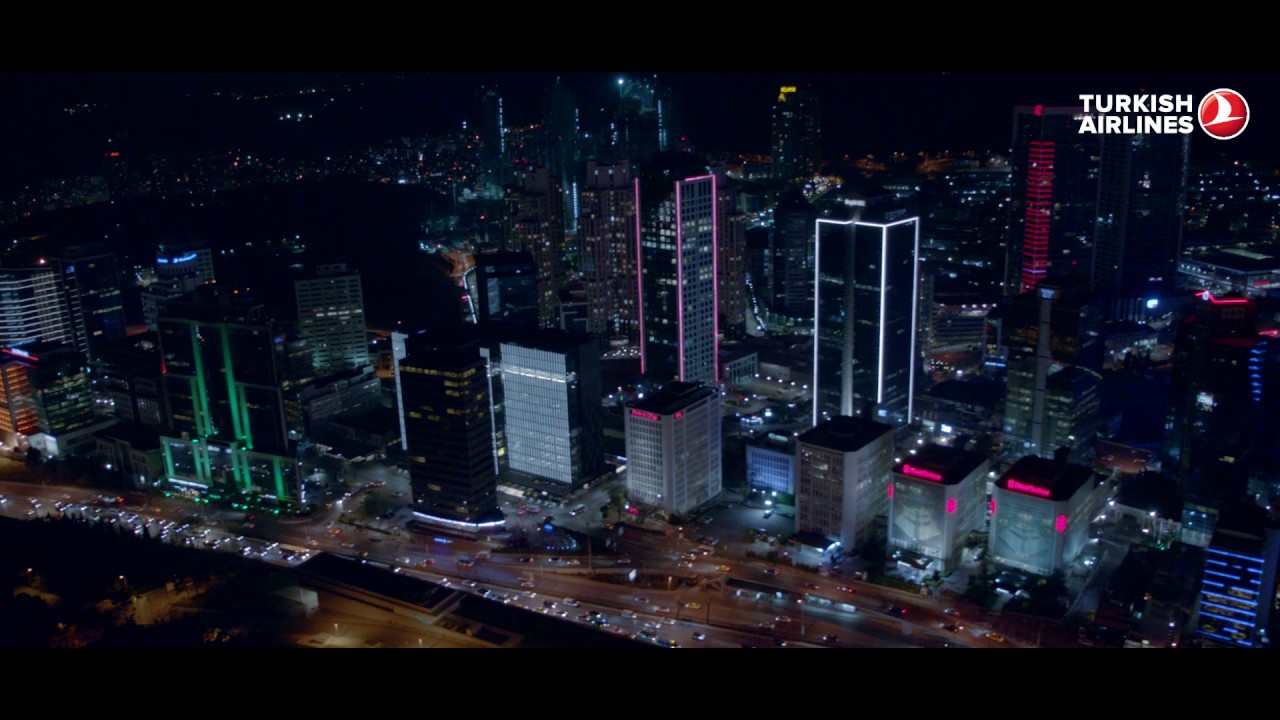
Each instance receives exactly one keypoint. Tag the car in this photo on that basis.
(572, 603)
(782, 619)
(641, 599)
(466, 562)
(951, 611)
(952, 627)
(723, 568)
(663, 609)
(526, 583)
(628, 613)
(693, 606)
(471, 583)
(699, 636)
(766, 625)
(685, 564)
(995, 637)
(779, 642)
(897, 610)
(846, 588)
(526, 559)
(771, 571)
(811, 586)
(549, 603)
(768, 513)
(831, 637)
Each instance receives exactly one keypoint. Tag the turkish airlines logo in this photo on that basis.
(1223, 114)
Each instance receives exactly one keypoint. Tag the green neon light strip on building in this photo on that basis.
(199, 394)
(228, 370)
(275, 464)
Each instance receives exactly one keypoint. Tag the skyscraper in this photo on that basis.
(534, 223)
(1055, 357)
(1142, 187)
(731, 267)
(31, 307)
(94, 305)
(797, 134)
(866, 281)
(47, 395)
(228, 435)
(678, 238)
(1054, 193)
(445, 389)
(331, 318)
(551, 399)
(793, 223)
(607, 240)
(507, 289)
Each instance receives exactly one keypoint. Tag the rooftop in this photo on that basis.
(1045, 477)
(940, 463)
(846, 434)
(673, 397)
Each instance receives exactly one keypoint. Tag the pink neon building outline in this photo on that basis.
(679, 281)
(951, 506)
(639, 276)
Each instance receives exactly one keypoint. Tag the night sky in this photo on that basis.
(863, 112)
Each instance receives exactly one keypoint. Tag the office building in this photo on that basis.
(93, 303)
(936, 498)
(552, 415)
(673, 447)
(32, 307)
(1142, 189)
(507, 289)
(1055, 330)
(1054, 193)
(771, 466)
(449, 431)
(866, 305)
(182, 260)
(607, 238)
(1238, 588)
(1041, 508)
(792, 257)
(678, 236)
(797, 134)
(534, 223)
(842, 478)
(228, 436)
(48, 398)
(331, 319)
(131, 384)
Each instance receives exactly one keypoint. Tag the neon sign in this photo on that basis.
(645, 415)
(1060, 524)
(1028, 489)
(951, 506)
(917, 472)
(787, 89)
(679, 415)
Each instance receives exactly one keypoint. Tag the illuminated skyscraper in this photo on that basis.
(1054, 194)
(607, 238)
(31, 307)
(866, 281)
(534, 223)
(1142, 188)
(94, 305)
(843, 467)
(331, 318)
(678, 238)
(673, 447)
(792, 292)
(797, 134)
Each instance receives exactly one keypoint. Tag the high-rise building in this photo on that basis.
(842, 478)
(731, 267)
(31, 308)
(607, 240)
(132, 380)
(94, 305)
(1054, 330)
(551, 398)
(1221, 422)
(1238, 588)
(228, 435)
(792, 257)
(1041, 508)
(534, 223)
(936, 498)
(1142, 189)
(445, 390)
(1054, 192)
(507, 289)
(331, 319)
(645, 122)
(797, 134)
(866, 281)
(678, 238)
(673, 447)
(561, 148)
(48, 396)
